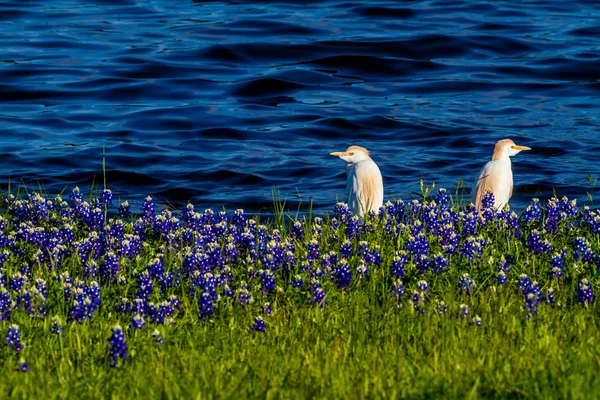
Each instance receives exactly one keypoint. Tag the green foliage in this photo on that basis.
(362, 343)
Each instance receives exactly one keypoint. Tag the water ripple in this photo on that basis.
(219, 102)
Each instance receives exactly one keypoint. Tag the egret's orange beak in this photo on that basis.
(339, 153)
(520, 147)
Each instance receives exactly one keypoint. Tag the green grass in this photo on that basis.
(361, 344)
(357, 348)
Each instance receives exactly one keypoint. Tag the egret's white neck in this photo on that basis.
(505, 158)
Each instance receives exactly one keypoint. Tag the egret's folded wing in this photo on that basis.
(484, 182)
(369, 186)
(370, 191)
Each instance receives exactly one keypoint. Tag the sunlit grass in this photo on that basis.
(361, 342)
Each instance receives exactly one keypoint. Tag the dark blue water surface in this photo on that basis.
(218, 102)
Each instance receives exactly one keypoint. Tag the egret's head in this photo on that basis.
(507, 148)
(353, 154)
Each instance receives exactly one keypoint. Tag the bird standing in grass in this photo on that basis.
(364, 182)
(496, 176)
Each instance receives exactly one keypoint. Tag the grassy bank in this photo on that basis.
(423, 300)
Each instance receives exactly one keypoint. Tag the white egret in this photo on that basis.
(364, 182)
(496, 176)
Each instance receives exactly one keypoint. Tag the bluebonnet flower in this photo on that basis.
(318, 294)
(533, 298)
(415, 208)
(442, 199)
(501, 279)
(76, 195)
(92, 290)
(78, 311)
(488, 200)
(513, 223)
(399, 263)
(298, 230)
(557, 263)
(124, 211)
(329, 261)
(106, 197)
(148, 207)
(5, 304)
(464, 310)
(419, 297)
(550, 300)
(335, 225)
(259, 324)
(96, 218)
(239, 218)
(346, 249)
(439, 264)
(297, 282)
(205, 303)
(396, 210)
(591, 219)
(161, 312)
(568, 208)
(243, 295)
(138, 306)
(267, 281)
(416, 228)
(174, 302)
(430, 217)
(57, 327)
(317, 227)
(353, 227)
(371, 257)
(342, 274)
(23, 367)
(504, 264)
(450, 238)
(536, 245)
(17, 282)
(442, 307)
(470, 221)
(109, 269)
(487, 208)
(13, 339)
(418, 246)
(137, 322)
(533, 212)
(362, 270)
(398, 291)
(476, 320)
(156, 268)
(267, 308)
(123, 306)
(118, 347)
(157, 336)
(585, 294)
(524, 283)
(144, 285)
(342, 211)
(313, 250)
(466, 284)
(472, 248)
(582, 250)
(422, 264)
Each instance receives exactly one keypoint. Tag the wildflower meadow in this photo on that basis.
(425, 299)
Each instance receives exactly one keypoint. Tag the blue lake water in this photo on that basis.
(219, 102)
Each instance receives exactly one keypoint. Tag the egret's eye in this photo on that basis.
(351, 153)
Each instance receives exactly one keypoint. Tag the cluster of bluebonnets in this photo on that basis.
(63, 261)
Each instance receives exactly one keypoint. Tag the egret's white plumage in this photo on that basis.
(496, 175)
(364, 182)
